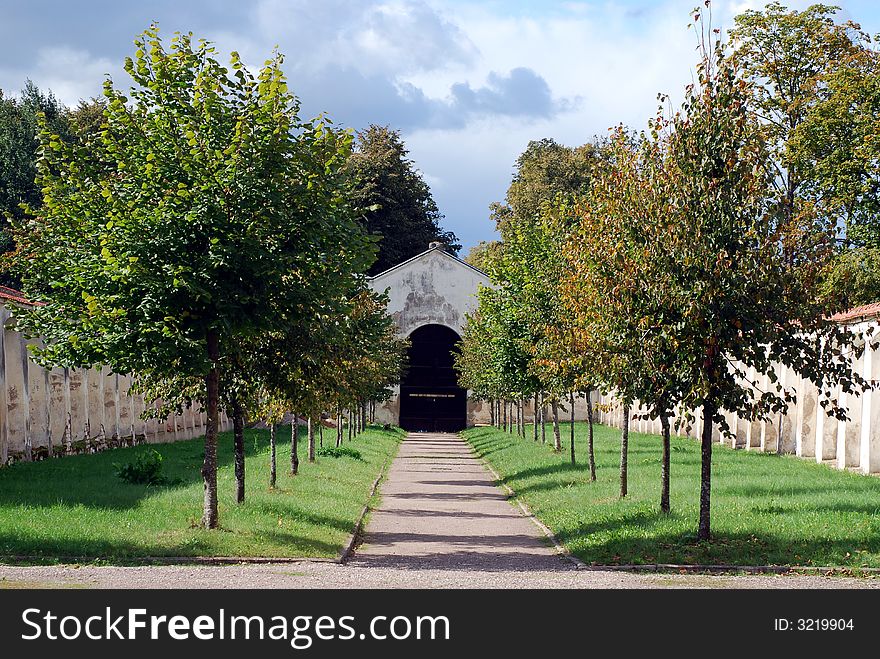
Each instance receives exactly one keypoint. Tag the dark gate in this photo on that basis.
(430, 398)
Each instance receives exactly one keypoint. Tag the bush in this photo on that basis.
(145, 470)
(339, 452)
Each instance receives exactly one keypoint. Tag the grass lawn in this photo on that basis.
(77, 507)
(766, 509)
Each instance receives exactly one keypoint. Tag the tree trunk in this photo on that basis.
(703, 532)
(311, 431)
(210, 518)
(320, 432)
(664, 466)
(543, 420)
(350, 424)
(504, 417)
(491, 412)
(557, 438)
(535, 418)
(294, 447)
(521, 416)
(624, 450)
(571, 430)
(592, 456)
(338, 426)
(272, 455)
(238, 444)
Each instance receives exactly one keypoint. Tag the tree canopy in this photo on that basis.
(203, 214)
(392, 199)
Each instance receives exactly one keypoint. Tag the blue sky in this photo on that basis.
(468, 83)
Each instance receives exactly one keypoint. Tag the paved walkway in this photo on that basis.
(442, 510)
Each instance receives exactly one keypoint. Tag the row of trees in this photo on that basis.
(664, 265)
(207, 239)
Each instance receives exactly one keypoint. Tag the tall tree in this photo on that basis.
(18, 157)
(204, 212)
(395, 201)
(786, 56)
(734, 300)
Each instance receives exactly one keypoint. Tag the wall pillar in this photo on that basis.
(805, 427)
(826, 434)
(4, 410)
(869, 441)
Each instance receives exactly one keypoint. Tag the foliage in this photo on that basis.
(393, 199)
(145, 470)
(505, 350)
(339, 452)
(836, 149)
(813, 82)
(204, 214)
(18, 155)
(481, 254)
(854, 278)
(786, 56)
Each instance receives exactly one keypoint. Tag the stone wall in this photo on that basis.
(805, 430)
(59, 411)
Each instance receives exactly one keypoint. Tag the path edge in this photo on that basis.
(828, 571)
(561, 549)
(357, 533)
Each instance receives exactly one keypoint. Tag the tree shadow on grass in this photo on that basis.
(282, 511)
(726, 549)
(91, 481)
(19, 550)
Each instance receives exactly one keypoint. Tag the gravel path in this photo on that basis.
(442, 523)
(442, 510)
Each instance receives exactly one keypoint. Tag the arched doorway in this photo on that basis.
(430, 398)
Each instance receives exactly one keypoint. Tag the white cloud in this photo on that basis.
(470, 83)
(71, 74)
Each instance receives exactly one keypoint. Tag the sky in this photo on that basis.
(468, 84)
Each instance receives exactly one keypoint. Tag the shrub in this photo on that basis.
(339, 452)
(145, 470)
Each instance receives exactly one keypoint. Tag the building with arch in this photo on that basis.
(429, 296)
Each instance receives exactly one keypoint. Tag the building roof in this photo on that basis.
(437, 248)
(858, 314)
(12, 295)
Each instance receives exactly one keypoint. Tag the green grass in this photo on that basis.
(766, 509)
(77, 507)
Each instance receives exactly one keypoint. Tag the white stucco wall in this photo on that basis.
(807, 431)
(431, 288)
(53, 412)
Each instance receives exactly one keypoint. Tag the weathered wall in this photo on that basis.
(805, 430)
(431, 288)
(60, 411)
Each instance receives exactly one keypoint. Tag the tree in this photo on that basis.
(813, 83)
(204, 212)
(836, 150)
(18, 156)
(480, 255)
(733, 300)
(617, 301)
(393, 198)
(786, 56)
